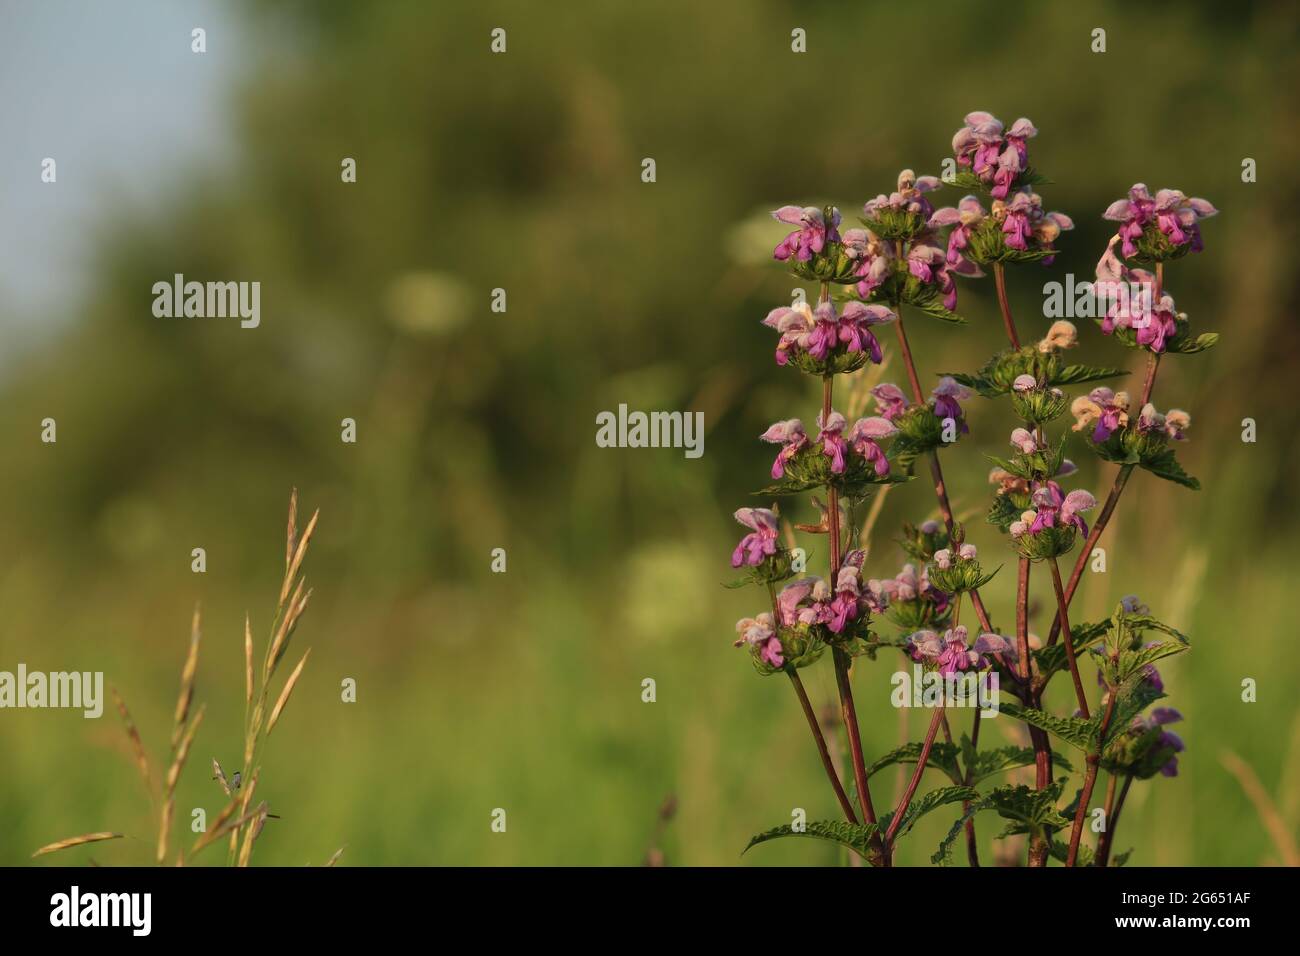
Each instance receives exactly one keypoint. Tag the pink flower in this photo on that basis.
(760, 632)
(812, 234)
(864, 435)
(890, 400)
(760, 543)
(790, 602)
(832, 440)
(1023, 440)
(791, 436)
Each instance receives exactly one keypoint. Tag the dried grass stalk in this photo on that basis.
(188, 673)
(183, 752)
(284, 694)
(248, 661)
(76, 841)
(137, 745)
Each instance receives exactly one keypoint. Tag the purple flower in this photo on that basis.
(760, 543)
(1052, 508)
(844, 607)
(909, 197)
(946, 396)
(1158, 718)
(1178, 217)
(855, 327)
(830, 434)
(1023, 439)
(1024, 383)
(924, 262)
(795, 323)
(1132, 214)
(1108, 408)
(1171, 425)
(791, 436)
(873, 257)
(812, 234)
(819, 331)
(948, 654)
(994, 154)
(1021, 130)
(759, 632)
(862, 438)
(790, 602)
(890, 400)
(907, 585)
(1017, 226)
(963, 218)
(1075, 502)
(1172, 212)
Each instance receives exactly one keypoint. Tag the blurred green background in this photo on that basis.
(476, 430)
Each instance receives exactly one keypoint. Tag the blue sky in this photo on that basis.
(111, 90)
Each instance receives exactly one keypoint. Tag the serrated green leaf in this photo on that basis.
(928, 802)
(1190, 346)
(1073, 730)
(989, 762)
(1165, 465)
(943, 756)
(1052, 659)
(943, 855)
(1130, 662)
(856, 837)
(1027, 809)
(1078, 374)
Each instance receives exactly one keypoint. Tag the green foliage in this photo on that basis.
(960, 576)
(855, 837)
(920, 545)
(811, 468)
(968, 182)
(1053, 658)
(1149, 450)
(943, 757)
(1075, 731)
(996, 376)
(1182, 342)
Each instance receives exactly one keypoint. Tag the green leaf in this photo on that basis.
(930, 801)
(928, 300)
(1165, 465)
(1131, 662)
(1052, 659)
(943, 756)
(1073, 730)
(1135, 696)
(1078, 374)
(855, 837)
(943, 855)
(1061, 851)
(989, 762)
(1028, 809)
(1190, 346)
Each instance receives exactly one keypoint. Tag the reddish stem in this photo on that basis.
(1064, 619)
(912, 784)
(1000, 280)
(816, 729)
(1089, 780)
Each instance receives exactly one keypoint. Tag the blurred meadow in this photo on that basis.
(476, 430)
